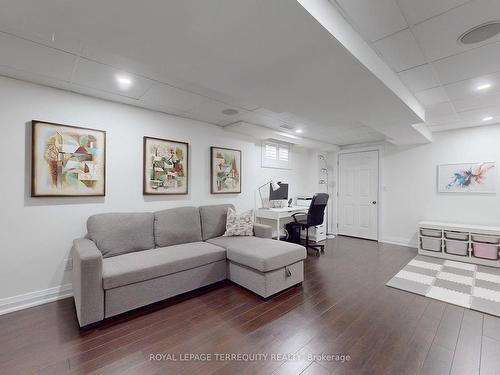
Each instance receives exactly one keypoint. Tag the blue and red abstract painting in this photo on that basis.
(468, 177)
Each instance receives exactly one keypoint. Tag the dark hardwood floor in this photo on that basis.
(342, 308)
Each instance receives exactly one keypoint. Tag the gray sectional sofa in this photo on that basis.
(128, 260)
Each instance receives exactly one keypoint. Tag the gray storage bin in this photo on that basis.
(431, 232)
(456, 247)
(431, 244)
(453, 235)
(484, 238)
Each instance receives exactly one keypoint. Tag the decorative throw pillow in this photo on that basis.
(239, 225)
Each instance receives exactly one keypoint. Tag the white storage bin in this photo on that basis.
(431, 244)
(484, 238)
(456, 247)
(453, 235)
(430, 232)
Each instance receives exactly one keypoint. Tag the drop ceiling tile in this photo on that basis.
(477, 115)
(432, 96)
(211, 111)
(165, 77)
(170, 99)
(442, 112)
(419, 78)
(103, 77)
(477, 102)
(267, 113)
(419, 10)
(446, 126)
(262, 117)
(33, 77)
(461, 124)
(58, 41)
(360, 138)
(468, 87)
(438, 36)
(375, 19)
(400, 51)
(359, 134)
(97, 93)
(27, 56)
(470, 64)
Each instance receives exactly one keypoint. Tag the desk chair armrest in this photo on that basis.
(299, 213)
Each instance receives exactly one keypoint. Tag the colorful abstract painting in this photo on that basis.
(67, 160)
(467, 178)
(165, 166)
(225, 167)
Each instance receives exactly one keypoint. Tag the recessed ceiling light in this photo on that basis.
(298, 131)
(488, 118)
(480, 33)
(124, 81)
(230, 111)
(483, 87)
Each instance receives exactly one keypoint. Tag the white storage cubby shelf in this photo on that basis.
(460, 242)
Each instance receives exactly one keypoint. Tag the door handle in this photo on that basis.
(374, 202)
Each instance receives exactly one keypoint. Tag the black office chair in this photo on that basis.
(312, 218)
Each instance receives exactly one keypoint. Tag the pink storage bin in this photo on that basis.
(485, 250)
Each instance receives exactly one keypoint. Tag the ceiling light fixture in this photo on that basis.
(123, 81)
(287, 135)
(488, 118)
(480, 33)
(298, 131)
(483, 87)
(229, 112)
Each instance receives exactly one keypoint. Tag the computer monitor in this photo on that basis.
(280, 194)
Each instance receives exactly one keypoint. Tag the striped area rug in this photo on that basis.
(463, 284)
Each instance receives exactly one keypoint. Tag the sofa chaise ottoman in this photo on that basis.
(128, 260)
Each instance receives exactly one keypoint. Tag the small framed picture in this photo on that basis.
(67, 161)
(225, 170)
(166, 164)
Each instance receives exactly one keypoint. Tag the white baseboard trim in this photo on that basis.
(39, 297)
(399, 241)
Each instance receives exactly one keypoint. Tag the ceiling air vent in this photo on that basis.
(480, 33)
(229, 111)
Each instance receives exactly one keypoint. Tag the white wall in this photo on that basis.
(36, 233)
(410, 183)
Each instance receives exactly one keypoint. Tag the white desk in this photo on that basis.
(279, 213)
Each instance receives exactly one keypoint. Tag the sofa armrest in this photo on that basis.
(263, 231)
(87, 282)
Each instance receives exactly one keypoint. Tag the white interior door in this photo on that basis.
(358, 194)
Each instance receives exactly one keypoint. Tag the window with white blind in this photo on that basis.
(275, 155)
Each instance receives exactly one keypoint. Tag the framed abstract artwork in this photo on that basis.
(67, 161)
(467, 178)
(225, 170)
(165, 167)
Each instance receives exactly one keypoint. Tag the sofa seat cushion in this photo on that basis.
(262, 254)
(148, 264)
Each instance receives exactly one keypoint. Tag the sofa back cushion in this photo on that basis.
(120, 233)
(177, 225)
(213, 220)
